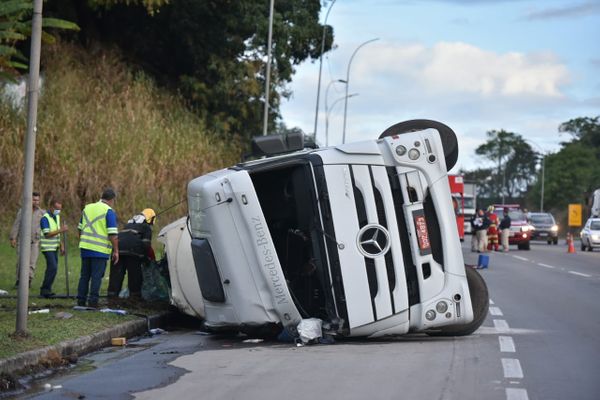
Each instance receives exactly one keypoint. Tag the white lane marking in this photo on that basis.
(521, 258)
(496, 311)
(580, 274)
(516, 394)
(546, 265)
(512, 368)
(491, 302)
(507, 345)
(501, 326)
(490, 330)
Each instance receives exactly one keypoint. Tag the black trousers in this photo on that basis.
(131, 265)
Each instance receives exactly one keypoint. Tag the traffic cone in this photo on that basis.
(570, 243)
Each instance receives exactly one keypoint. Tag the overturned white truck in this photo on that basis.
(362, 236)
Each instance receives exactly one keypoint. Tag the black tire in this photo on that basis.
(555, 241)
(582, 246)
(447, 135)
(549, 241)
(523, 246)
(480, 301)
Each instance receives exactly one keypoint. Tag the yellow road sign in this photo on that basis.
(574, 214)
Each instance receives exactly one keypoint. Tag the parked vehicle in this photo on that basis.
(590, 234)
(362, 236)
(456, 190)
(520, 229)
(544, 227)
(469, 205)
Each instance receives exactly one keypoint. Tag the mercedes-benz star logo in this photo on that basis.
(373, 240)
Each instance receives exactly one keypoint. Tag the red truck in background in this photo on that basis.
(457, 190)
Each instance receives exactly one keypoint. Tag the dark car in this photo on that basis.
(545, 227)
(520, 229)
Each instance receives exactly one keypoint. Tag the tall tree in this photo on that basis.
(213, 52)
(514, 165)
(573, 173)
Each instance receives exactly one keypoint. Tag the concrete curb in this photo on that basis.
(82, 345)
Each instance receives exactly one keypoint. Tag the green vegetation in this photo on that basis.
(571, 174)
(46, 329)
(104, 124)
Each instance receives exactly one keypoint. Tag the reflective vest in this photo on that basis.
(51, 243)
(93, 230)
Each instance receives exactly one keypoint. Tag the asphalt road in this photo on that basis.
(540, 341)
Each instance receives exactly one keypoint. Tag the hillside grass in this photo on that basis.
(102, 123)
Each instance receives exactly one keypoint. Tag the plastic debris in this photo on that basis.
(63, 315)
(56, 387)
(47, 387)
(110, 310)
(253, 340)
(83, 308)
(41, 311)
(309, 329)
(3, 292)
(157, 331)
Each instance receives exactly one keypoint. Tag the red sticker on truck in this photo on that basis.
(422, 234)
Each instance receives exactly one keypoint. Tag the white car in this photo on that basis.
(362, 236)
(590, 234)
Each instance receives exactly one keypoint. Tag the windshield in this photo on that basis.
(515, 215)
(542, 219)
(595, 226)
(469, 202)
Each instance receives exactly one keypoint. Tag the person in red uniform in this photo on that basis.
(492, 232)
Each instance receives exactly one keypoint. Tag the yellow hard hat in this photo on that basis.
(149, 214)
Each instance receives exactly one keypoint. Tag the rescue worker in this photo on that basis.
(97, 240)
(481, 224)
(36, 216)
(51, 242)
(505, 229)
(492, 232)
(135, 250)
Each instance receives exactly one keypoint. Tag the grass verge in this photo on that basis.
(47, 329)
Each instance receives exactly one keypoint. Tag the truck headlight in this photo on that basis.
(441, 307)
(554, 228)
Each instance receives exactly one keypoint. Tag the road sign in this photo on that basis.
(574, 214)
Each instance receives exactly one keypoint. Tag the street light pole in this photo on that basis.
(321, 68)
(327, 90)
(543, 153)
(33, 90)
(268, 73)
(348, 84)
(327, 112)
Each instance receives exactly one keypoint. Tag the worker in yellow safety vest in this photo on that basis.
(51, 243)
(97, 241)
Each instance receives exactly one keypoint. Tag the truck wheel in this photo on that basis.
(582, 246)
(555, 241)
(447, 135)
(479, 300)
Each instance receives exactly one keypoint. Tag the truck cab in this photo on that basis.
(362, 236)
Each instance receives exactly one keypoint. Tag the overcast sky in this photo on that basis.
(476, 65)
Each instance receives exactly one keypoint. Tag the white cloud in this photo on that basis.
(461, 68)
(472, 90)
